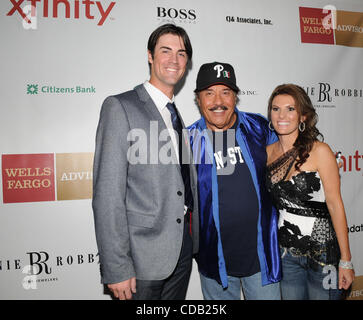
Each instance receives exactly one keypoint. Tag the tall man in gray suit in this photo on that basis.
(144, 198)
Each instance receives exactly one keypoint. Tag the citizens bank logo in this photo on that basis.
(331, 26)
(32, 177)
(176, 15)
(34, 89)
(99, 11)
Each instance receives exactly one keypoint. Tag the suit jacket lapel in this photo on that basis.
(150, 106)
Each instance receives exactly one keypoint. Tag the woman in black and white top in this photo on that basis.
(303, 178)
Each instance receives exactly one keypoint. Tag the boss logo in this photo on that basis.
(172, 13)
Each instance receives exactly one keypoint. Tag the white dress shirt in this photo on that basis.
(160, 100)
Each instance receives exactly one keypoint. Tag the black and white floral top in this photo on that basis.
(305, 225)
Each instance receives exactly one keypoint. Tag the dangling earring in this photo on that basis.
(269, 125)
(302, 126)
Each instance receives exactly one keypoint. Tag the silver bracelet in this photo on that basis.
(346, 264)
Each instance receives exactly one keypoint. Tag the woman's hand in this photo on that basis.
(346, 277)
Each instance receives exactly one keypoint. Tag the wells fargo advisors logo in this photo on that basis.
(74, 176)
(31, 177)
(332, 26)
(28, 177)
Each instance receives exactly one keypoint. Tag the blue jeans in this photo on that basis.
(251, 286)
(304, 279)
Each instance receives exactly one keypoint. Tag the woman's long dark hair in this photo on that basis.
(305, 140)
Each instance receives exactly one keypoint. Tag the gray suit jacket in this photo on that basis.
(138, 207)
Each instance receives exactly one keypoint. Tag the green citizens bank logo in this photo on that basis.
(32, 89)
(36, 89)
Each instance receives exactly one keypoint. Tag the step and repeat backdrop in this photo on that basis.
(61, 58)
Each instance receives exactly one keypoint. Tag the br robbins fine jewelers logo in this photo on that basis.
(331, 26)
(28, 177)
(29, 11)
(325, 94)
(40, 267)
(34, 89)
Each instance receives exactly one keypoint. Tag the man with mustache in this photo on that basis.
(237, 239)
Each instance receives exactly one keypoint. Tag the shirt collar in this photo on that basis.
(159, 98)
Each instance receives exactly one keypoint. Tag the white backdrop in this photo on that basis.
(57, 70)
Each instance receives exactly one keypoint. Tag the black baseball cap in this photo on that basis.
(216, 73)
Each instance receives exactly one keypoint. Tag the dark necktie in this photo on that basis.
(177, 125)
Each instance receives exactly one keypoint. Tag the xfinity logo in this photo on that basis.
(184, 15)
(70, 9)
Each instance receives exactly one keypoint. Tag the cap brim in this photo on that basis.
(231, 86)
